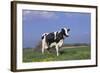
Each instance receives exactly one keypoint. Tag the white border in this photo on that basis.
(34, 65)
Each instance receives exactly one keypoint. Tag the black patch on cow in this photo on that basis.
(63, 32)
(59, 36)
(50, 38)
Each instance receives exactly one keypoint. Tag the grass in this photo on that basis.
(77, 53)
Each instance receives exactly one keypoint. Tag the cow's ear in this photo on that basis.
(68, 29)
(62, 30)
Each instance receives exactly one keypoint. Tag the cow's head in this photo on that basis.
(65, 31)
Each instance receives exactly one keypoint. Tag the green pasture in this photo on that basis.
(77, 53)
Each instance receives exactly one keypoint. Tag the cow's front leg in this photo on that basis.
(57, 50)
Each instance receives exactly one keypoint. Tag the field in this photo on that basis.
(66, 53)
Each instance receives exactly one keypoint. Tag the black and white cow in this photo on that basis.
(54, 39)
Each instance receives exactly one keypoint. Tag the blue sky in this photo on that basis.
(36, 22)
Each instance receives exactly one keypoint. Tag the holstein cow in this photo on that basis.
(54, 39)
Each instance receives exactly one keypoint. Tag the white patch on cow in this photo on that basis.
(55, 34)
(66, 31)
(53, 44)
(60, 43)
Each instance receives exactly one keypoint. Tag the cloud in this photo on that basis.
(71, 14)
(76, 14)
(40, 14)
(46, 14)
(27, 12)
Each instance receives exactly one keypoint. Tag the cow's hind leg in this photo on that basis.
(42, 50)
(44, 47)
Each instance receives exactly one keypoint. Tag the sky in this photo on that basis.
(36, 22)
